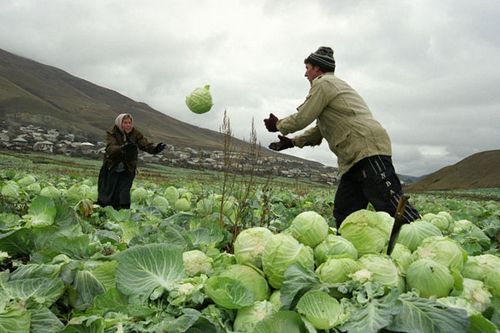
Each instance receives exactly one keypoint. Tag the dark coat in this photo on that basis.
(115, 139)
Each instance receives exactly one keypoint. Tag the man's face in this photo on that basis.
(127, 125)
(312, 72)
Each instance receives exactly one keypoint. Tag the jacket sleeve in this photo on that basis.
(113, 148)
(306, 113)
(144, 143)
(311, 137)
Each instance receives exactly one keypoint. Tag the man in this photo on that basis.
(362, 145)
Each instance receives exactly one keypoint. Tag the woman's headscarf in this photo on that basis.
(119, 119)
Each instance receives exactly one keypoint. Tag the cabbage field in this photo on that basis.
(237, 256)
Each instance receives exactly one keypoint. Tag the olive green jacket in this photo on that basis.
(114, 141)
(342, 118)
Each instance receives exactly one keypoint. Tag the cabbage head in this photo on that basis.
(492, 281)
(197, 262)
(383, 269)
(275, 299)
(205, 206)
(459, 303)
(26, 180)
(368, 231)
(249, 245)
(10, 189)
(246, 318)
(412, 234)
(172, 194)
(182, 205)
(280, 252)
(334, 247)
(440, 221)
(237, 287)
(200, 100)
(476, 293)
(402, 257)
(321, 310)
(309, 228)
(429, 278)
(478, 267)
(443, 250)
(50, 192)
(139, 194)
(161, 204)
(337, 270)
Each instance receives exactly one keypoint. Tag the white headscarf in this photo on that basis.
(119, 119)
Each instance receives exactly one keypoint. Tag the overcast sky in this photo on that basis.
(429, 70)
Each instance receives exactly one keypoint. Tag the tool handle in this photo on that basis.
(397, 223)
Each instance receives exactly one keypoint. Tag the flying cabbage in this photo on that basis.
(200, 100)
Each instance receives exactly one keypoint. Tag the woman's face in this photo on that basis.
(127, 125)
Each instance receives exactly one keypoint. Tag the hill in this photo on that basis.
(32, 93)
(480, 170)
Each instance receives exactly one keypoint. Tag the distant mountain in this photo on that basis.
(481, 170)
(41, 95)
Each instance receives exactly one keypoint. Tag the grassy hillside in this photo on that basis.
(481, 170)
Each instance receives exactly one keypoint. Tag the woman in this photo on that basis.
(120, 162)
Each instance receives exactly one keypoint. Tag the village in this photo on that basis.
(50, 141)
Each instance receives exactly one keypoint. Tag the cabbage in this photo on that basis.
(205, 207)
(492, 281)
(440, 221)
(458, 302)
(10, 189)
(139, 194)
(402, 257)
(237, 287)
(383, 269)
(478, 267)
(442, 250)
(429, 278)
(172, 194)
(26, 180)
(472, 238)
(197, 262)
(476, 293)
(247, 318)
(280, 252)
(309, 228)
(412, 234)
(321, 310)
(161, 204)
(50, 191)
(200, 100)
(337, 270)
(368, 231)
(33, 188)
(334, 247)
(182, 205)
(249, 245)
(275, 299)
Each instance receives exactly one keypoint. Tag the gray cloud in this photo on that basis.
(428, 70)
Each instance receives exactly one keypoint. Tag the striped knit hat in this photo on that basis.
(323, 57)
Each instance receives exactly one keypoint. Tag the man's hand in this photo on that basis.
(159, 147)
(271, 123)
(284, 143)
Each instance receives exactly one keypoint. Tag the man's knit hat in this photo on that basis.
(323, 57)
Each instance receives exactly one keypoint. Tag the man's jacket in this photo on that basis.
(342, 118)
